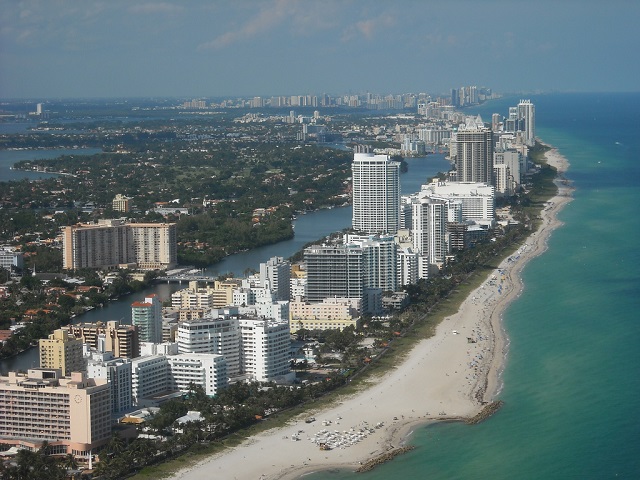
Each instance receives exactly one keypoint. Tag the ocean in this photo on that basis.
(572, 376)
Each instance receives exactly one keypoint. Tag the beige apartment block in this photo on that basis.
(155, 245)
(331, 314)
(121, 340)
(61, 351)
(121, 203)
(72, 414)
(112, 243)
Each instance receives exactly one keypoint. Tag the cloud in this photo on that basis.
(300, 18)
(264, 21)
(368, 28)
(156, 7)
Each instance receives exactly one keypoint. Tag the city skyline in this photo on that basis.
(118, 49)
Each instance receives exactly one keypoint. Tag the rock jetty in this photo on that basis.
(384, 458)
(488, 410)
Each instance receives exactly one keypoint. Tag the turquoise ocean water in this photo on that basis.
(572, 377)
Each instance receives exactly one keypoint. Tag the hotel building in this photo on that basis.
(429, 233)
(151, 380)
(475, 200)
(117, 371)
(527, 115)
(330, 314)
(275, 274)
(265, 350)
(72, 414)
(334, 271)
(204, 369)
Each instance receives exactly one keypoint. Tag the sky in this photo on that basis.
(215, 48)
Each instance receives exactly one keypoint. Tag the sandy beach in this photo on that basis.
(444, 377)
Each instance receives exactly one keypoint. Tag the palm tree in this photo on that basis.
(70, 462)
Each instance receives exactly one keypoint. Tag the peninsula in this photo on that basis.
(450, 376)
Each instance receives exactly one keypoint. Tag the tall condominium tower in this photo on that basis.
(334, 271)
(147, 316)
(275, 274)
(527, 114)
(429, 233)
(473, 149)
(376, 193)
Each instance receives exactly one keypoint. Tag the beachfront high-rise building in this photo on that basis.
(527, 114)
(466, 200)
(429, 232)
(265, 349)
(380, 260)
(340, 271)
(331, 314)
(216, 333)
(147, 316)
(151, 380)
(472, 152)
(376, 193)
(206, 370)
(61, 351)
(72, 414)
(334, 271)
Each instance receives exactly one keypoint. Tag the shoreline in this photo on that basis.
(448, 377)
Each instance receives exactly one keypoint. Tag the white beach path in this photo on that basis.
(443, 377)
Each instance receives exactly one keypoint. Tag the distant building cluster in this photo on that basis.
(464, 96)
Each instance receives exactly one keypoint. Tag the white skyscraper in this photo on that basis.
(379, 259)
(527, 114)
(376, 193)
(430, 233)
(275, 274)
(214, 334)
(265, 349)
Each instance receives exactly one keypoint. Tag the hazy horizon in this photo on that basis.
(97, 49)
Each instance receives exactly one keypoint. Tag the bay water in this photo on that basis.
(571, 384)
(10, 157)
